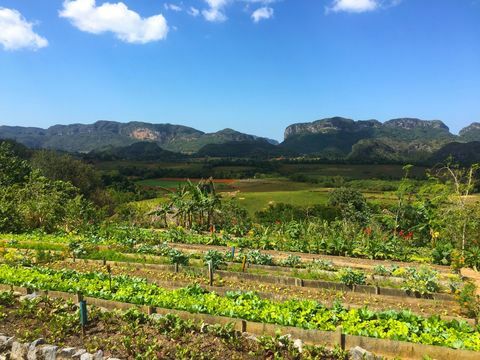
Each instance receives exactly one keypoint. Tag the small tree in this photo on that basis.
(351, 203)
(13, 170)
(459, 213)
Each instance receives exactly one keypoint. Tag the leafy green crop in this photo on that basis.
(351, 277)
(422, 281)
(306, 314)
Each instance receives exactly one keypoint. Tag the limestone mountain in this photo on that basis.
(396, 140)
(333, 137)
(368, 139)
(471, 132)
(102, 134)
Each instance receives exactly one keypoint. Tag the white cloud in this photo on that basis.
(262, 13)
(172, 7)
(354, 6)
(117, 18)
(215, 12)
(17, 33)
(193, 11)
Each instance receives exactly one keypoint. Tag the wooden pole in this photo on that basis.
(109, 269)
(82, 304)
(210, 273)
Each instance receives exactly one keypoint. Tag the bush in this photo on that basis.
(351, 203)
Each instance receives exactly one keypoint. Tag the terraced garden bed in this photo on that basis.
(306, 314)
(133, 335)
(166, 276)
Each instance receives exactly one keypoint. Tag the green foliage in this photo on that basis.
(192, 206)
(284, 213)
(68, 169)
(306, 314)
(13, 170)
(232, 218)
(442, 253)
(423, 280)
(352, 277)
(177, 257)
(78, 248)
(381, 270)
(472, 257)
(318, 237)
(215, 258)
(351, 203)
(7, 298)
(469, 300)
(41, 203)
(258, 258)
(291, 261)
(320, 264)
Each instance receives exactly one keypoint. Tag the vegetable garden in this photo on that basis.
(391, 273)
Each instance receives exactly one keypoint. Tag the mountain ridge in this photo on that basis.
(399, 139)
(88, 137)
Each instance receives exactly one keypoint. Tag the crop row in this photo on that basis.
(131, 334)
(306, 314)
(419, 281)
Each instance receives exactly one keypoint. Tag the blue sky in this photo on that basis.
(252, 65)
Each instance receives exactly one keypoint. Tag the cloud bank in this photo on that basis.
(116, 18)
(17, 33)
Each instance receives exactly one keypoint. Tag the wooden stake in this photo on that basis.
(82, 304)
(109, 269)
(210, 273)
